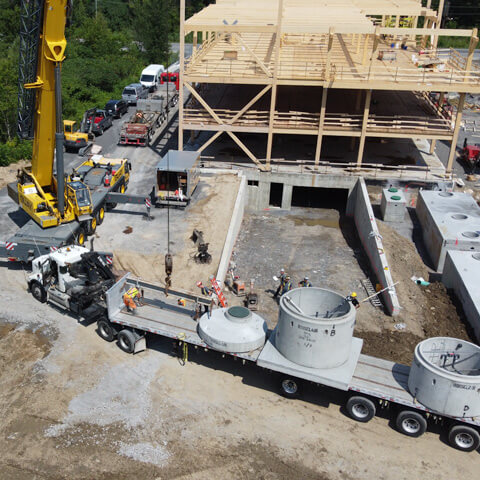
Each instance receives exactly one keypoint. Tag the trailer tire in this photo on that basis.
(106, 330)
(361, 409)
(464, 438)
(100, 215)
(126, 341)
(411, 423)
(38, 291)
(289, 387)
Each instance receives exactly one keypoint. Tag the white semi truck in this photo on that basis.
(73, 278)
(313, 341)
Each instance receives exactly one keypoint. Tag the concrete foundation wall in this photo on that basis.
(460, 273)
(233, 229)
(258, 189)
(372, 243)
(450, 221)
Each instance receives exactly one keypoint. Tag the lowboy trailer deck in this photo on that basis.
(373, 383)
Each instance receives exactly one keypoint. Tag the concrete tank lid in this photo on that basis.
(234, 329)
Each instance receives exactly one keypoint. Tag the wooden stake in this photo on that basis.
(458, 121)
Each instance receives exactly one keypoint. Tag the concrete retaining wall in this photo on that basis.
(460, 273)
(359, 205)
(233, 229)
(259, 183)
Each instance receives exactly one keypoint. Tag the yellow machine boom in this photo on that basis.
(42, 195)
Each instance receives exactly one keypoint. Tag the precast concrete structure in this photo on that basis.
(371, 239)
(233, 330)
(450, 221)
(445, 376)
(315, 327)
(461, 273)
(393, 205)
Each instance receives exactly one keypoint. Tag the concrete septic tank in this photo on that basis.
(233, 329)
(445, 376)
(315, 327)
(450, 221)
(461, 273)
(393, 205)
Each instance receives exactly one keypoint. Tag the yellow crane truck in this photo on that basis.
(63, 209)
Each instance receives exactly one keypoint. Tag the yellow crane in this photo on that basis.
(49, 199)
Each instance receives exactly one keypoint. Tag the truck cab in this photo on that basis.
(72, 277)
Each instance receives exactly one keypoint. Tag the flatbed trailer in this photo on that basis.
(374, 383)
(150, 115)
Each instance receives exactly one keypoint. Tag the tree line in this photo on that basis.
(109, 42)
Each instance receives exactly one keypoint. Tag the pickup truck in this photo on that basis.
(101, 121)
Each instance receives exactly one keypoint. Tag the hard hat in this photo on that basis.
(306, 278)
(288, 277)
(199, 284)
(282, 270)
(353, 294)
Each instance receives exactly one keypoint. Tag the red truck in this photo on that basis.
(171, 77)
(471, 154)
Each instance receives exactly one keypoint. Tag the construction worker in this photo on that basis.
(353, 299)
(305, 282)
(287, 286)
(130, 299)
(205, 290)
(282, 278)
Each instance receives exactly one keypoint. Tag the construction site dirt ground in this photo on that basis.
(323, 244)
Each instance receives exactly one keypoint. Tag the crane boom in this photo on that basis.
(43, 196)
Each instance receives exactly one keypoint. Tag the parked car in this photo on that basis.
(133, 92)
(116, 108)
(101, 121)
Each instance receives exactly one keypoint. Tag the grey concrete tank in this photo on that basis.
(445, 376)
(233, 329)
(315, 327)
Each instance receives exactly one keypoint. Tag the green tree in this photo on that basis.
(152, 27)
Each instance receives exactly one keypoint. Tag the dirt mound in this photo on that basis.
(9, 174)
(427, 311)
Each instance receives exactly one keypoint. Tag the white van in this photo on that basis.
(150, 77)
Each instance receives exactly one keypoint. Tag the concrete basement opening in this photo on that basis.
(312, 197)
(276, 194)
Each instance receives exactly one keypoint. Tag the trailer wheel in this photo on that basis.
(126, 341)
(38, 291)
(106, 330)
(361, 409)
(411, 423)
(289, 387)
(464, 438)
(100, 215)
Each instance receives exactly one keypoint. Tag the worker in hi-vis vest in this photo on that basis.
(129, 299)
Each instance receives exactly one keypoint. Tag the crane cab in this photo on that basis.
(78, 195)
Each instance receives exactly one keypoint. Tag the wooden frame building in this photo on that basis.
(294, 62)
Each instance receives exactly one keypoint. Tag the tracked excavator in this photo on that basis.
(48, 198)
